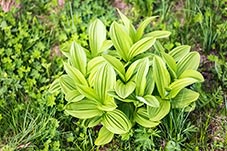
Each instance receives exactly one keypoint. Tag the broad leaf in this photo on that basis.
(66, 84)
(158, 34)
(149, 100)
(130, 28)
(192, 74)
(116, 64)
(95, 63)
(158, 113)
(189, 62)
(104, 137)
(116, 122)
(171, 63)
(184, 98)
(88, 92)
(97, 35)
(121, 40)
(55, 86)
(105, 46)
(141, 117)
(142, 26)
(178, 85)
(161, 75)
(150, 82)
(73, 96)
(78, 57)
(141, 77)
(83, 109)
(75, 74)
(131, 70)
(180, 52)
(91, 122)
(124, 90)
(141, 46)
(105, 80)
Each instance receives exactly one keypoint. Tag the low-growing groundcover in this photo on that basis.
(128, 80)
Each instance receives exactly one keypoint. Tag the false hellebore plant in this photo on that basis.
(136, 82)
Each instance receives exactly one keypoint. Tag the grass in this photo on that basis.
(35, 124)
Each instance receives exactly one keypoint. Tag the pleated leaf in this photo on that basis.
(192, 74)
(55, 86)
(149, 100)
(131, 70)
(178, 85)
(116, 122)
(141, 117)
(141, 77)
(180, 52)
(130, 28)
(141, 46)
(158, 113)
(116, 64)
(123, 90)
(105, 80)
(78, 57)
(158, 34)
(171, 63)
(161, 75)
(184, 98)
(75, 74)
(83, 109)
(142, 26)
(97, 35)
(66, 84)
(189, 62)
(73, 96)
(88, 92)
(91, 122)
(104, 137)
(121, 40)
(150, 82)
(105, 46)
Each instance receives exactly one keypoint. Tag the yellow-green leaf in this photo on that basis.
(104, 136)
(180, 52)
(189, 62)
(83, 109)
(158, 34)
(149, 100)
(184, 98)
(97, 35)
(161, 75)
(123, 90)
(116, 122)
(141, 46)
(192, 74)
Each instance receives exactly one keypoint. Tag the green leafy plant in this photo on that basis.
(136, 82)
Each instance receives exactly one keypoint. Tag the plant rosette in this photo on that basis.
(130, 79)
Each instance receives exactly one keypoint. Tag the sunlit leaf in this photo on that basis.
(141, 77)
(88, 92)
(83, 109)
(117, 65)
(97, 35)
(178, 85)
(73, 96)
(161, 75)
(141, 46)
(66, 83)
(116, 122)
(180, 52)
(141, 117)
(75, 74)
(192, 74)
(55, 86)
(78, 57)
(124, 89)
(121, 40)
(142, 26)
(158, 34)
(184, 98)
(131, 70)
(158, 113)
(189, 62)
(104, 137)
(149, 100)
